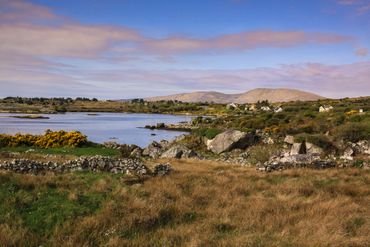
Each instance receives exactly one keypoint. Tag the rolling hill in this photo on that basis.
(252, 96)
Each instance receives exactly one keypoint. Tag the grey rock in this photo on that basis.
(348, 154)
(289, 139)
(362, 147)
(230, 140)
(154, 150)
(298, 148)
(179, 151)
(313, 149)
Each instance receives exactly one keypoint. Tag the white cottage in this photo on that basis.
(325, 108)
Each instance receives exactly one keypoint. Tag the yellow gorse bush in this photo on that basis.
(51, 139)
(351, 112)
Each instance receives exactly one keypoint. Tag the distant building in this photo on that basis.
(278, 109)
(325, 108)
(251, 108)
(265, 108)
(232, 106)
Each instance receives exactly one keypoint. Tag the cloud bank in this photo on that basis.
(33, 40)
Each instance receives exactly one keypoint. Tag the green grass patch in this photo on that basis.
(78, 151)
(40, 207)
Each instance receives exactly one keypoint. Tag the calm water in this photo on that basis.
(119, 127)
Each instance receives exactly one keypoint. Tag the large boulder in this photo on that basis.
(179, 151)
(230, 140)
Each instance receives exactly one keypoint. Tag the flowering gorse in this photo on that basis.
(51, 139)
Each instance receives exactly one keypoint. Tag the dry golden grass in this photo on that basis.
(211, 204)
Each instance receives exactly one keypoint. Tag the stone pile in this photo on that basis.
(94, 163)
(235, 157)
(295, 161)
(162, 169)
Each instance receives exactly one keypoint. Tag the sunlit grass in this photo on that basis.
(201, 204)
(80, 151)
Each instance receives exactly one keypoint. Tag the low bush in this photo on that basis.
(261, 153)
(210, 133)
(352, 131)
(319, 140)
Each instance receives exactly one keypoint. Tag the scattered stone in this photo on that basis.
(347, 154)
(179, 138)
(154, 150)
(162, 169)
(295, 161)
(136, 153)
(362, 147)
(112, 144)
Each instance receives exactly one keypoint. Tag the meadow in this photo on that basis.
(201, 203)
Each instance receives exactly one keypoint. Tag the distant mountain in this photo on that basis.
(252, 96)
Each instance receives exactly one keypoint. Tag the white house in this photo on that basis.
(325, 108)
(251, 108)
(278, 109)
(265, 108)
(232, 106)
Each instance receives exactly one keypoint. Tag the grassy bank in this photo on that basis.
(201, 204)
(80, 151)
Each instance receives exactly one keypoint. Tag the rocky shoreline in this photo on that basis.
(231, 146)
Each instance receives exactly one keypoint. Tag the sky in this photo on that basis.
(118, 49)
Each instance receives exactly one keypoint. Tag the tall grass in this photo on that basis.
(201, 204)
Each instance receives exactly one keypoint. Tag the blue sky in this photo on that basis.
(128, 49)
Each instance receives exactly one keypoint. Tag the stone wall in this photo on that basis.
(94, 164)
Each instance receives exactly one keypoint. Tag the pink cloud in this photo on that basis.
(72, 39)
(18, 10)
(349, 2)
(363, 52)
(66, 40)
(242, 41)
(364, 9)
(328, 80)
(362, 6)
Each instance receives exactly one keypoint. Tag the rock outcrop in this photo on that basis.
(229, 140)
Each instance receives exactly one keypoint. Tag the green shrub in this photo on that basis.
(261, 153)
(353, 131)
(210, 133)
(319, 140)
